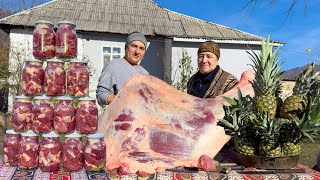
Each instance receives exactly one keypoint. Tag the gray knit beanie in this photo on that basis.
(136, 36)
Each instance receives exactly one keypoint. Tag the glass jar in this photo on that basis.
(50, 152)
(11, 147)
(78, 79)
(66, 40)
(32, 78)
(22, 114)
(42, 114)
(87, 116)
(64, 112)
(44, 40)
(72, 153)
(95, 152)
(55, 78)
(28, 151)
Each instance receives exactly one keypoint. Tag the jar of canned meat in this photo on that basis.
(86, 116)
(44, 40)
(78, 79)
(66, 40)
(95, 152)
(11, 147)
(64, 115)
(50, 152)
(72, 153)
(42, 114)
(32, 78)
(22, 113)
(29, 151)
(55, 78)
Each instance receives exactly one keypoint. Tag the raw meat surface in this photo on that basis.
(151, 126)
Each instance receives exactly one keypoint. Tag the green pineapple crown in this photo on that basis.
(306, 81)
(268, 74)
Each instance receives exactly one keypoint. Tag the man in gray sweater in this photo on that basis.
(118, 71)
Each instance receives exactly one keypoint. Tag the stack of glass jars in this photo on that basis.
(51, 83)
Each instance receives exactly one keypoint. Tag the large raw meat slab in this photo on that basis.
(151, 126)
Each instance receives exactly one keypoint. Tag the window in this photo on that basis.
(110, 53)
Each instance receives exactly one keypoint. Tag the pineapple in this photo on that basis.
(291, 149)
(269, 133)
(295, 105)
(238, 122)
(268, 78)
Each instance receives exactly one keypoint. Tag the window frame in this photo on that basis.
(111, 53)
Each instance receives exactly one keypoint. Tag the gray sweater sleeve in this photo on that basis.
(117, 72)
(104, 87)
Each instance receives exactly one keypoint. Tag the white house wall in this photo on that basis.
(233, 59)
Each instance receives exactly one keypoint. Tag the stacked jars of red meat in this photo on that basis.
(28, 151)
(55, 78)
(78, 79)
(66, 40)
(50, 152)
(95, 153)
(11, 147)
(72, 153)
(42, 114)
(87, 116)
(44, 40)
(64, 112)
(22, 114)
(32, 78)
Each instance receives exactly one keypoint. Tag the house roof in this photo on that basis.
(124, 17)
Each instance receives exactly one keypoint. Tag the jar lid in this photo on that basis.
(51, 134)
(97, 135)
(43, 21)
(23, 97)
(54, 60)
(29, 134)
(67, 22)
(44, 97)
(33, 60)
(73, 135)
(64, 98)
(87, 99)
(78, 61)
(11, 131)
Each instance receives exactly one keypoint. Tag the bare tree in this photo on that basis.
(252, 5)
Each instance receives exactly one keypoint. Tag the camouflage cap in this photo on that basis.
(210, 46)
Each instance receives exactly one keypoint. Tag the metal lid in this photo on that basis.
(43, 21)
(33, 60)
(23, 97)
(73, 135)
(78, 61)
(64, 98)
(87, 99)
(44, 97)
(67, 22)
(52, 134)
(97, 135)
(11, 131)
(29, 134)
(55, 60)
